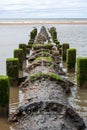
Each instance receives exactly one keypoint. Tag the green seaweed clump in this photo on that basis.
(40, 46)
(45, 75)
(48, 59)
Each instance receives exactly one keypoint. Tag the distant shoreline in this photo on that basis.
(20, 22)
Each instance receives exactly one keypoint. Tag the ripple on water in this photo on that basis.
(78, 99)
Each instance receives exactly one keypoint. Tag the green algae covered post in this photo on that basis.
(29, 46)
(60, 51)
(65, 46)
(12, 70)
(59, 46)
(71, 59)
(18, 53)
(23, 46)
(81, 72)
(54, 35)
(33, 34)
(4, 95)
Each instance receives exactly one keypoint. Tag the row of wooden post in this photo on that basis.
(13, 65)
(79, 65)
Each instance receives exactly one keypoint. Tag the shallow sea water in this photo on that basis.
(12, 35)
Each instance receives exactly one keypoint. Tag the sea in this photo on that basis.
(15, 31)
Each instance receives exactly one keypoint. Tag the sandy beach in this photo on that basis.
(21, 22)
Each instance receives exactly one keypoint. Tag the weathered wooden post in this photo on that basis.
(60, 51)
(81, 72)
(29, 46)
(54, 36)
(71, 59)
(4, 95)
(12, 70)
(18, 53)
(65, 46)
(32, 35)
(59, 46)
(23, 46)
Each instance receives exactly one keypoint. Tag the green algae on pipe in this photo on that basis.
(71, 59)
(4, 95)
(81, 72)
(18, 53)
(45, 75)
(12, 70)
(49, 59)
(40, 46)
(65, 46)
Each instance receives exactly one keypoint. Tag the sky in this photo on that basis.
(43, 8)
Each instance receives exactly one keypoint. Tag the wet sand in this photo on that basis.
(21, 22)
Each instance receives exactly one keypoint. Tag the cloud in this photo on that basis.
(43, 8)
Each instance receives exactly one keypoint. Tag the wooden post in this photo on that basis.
(23, 46)
(71, 59)
(18, 53)
(81, 72)
(60, 51)
(12, 70)
(4, 96)
(65, 46)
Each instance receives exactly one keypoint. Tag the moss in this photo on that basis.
(27, 50)
(23, 46)
(30, 43)
(59, 46)
(54, 35)
(12, 69)
(56, 41)
(60, 51)
(12, 59)
(45, 46)
(71, 58)
(45, 54)
(18, 53)
(81, 71)
(33, 33)
(51, 30)
(29, 46)
(49, 59)
(45, 75)
(4, 91)
(65, 46)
